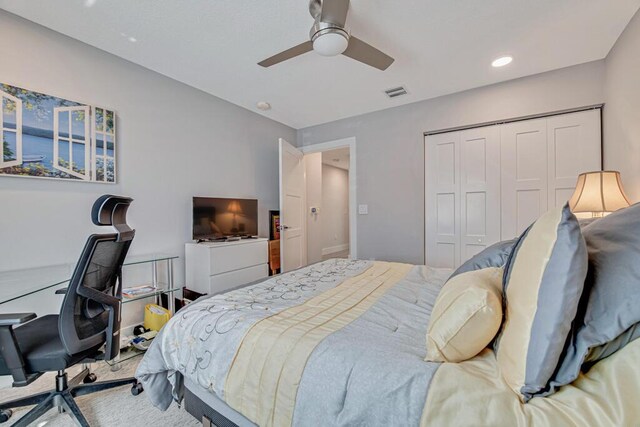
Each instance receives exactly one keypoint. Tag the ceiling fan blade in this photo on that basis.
(367, 54)
(334, 12)
(287, 54)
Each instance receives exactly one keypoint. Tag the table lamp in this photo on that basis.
(236, 209)
(598, 193)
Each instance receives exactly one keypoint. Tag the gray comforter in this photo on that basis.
(370, 372)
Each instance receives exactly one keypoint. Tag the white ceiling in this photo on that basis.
(338, 158)
(440, 46)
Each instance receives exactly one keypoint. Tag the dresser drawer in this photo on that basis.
(238, 256)
(225, 281)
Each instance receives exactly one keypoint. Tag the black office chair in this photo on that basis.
(88, 321)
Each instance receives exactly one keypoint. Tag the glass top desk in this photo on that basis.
(16, 284)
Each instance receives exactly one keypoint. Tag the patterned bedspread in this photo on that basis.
(341, 342)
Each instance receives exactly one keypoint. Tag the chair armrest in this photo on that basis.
(10, 350)
(15, 318)
(112, 305)
(98, 296)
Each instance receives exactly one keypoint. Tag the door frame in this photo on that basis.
(350, 143)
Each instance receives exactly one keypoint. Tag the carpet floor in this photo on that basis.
(341, 254)
(115, 407)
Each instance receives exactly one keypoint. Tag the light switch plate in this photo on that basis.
(363, 209)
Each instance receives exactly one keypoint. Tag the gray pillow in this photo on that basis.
(609, 313)
(495, 255)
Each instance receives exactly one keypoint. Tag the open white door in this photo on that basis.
(292, 200)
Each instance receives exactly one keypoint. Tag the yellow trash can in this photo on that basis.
(155, 317)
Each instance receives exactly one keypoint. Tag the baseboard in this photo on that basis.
(334, 249)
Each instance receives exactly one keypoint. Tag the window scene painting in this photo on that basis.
(49, 137)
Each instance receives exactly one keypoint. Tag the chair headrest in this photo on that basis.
(112, 210)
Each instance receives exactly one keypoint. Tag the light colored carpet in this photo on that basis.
(115, 407)
(341, 254)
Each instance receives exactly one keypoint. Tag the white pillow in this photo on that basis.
(466, 316)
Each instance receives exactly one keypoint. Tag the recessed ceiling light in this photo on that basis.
(89, 3)
(264, 106)
(502, 61)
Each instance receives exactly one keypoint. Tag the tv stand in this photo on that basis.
(216, 267)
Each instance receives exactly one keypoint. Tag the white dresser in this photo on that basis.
(215, 267)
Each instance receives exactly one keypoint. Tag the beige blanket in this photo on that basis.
(263, 380)
(473, 393)
(266, 371)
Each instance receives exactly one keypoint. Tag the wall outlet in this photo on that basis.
(363, 209)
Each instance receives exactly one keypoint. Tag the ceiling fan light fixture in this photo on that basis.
(330, 41)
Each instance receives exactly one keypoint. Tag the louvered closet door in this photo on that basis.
(479, 189)
(524, 174)
(574, 147)
(442, 198)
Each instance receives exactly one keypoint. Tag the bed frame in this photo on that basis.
(210, 409)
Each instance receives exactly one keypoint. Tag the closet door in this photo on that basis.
(574, 146)
(479, 189)
(524, 174)
(442, 200)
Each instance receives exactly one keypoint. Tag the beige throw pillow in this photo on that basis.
(466, 316)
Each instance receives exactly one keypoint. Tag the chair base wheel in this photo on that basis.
(5, 414)
(90, 378)
(136, 389)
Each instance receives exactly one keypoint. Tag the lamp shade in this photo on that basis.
(235, 207)
(599, 192)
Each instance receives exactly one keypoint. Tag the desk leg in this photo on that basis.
(171, 300)
(154, 279)
(116, 366)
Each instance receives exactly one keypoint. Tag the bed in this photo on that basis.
(342, 343)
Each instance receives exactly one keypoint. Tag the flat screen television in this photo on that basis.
(216, 218)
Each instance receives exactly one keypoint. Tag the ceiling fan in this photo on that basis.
(328, 37)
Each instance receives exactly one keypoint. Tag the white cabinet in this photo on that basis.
(215, 267)
(488, 184)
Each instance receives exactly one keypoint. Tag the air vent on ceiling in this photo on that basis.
(396, 91)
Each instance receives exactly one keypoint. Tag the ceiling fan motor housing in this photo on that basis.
(315, 8)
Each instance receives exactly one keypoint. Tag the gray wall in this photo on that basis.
(390, 148)
(622, 113)
(335, 209)
(174, 142)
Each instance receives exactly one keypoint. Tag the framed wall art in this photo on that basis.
(44, 136)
